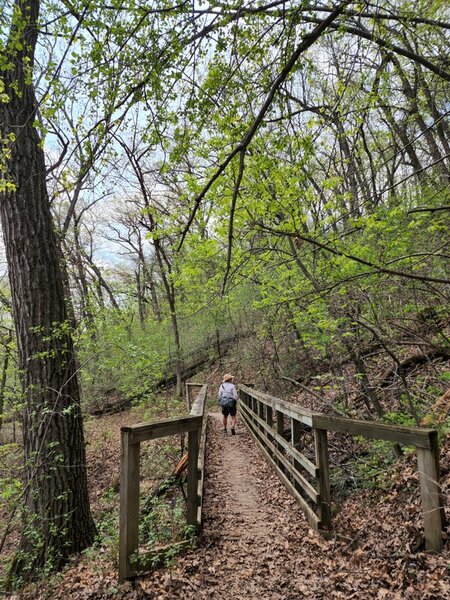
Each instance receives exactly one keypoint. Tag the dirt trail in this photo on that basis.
(252, 532)
(256, 544)
(234, 480)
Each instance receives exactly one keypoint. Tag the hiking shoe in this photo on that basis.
(233, 432)
(224, 429)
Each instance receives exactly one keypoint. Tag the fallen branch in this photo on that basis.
(415, 359)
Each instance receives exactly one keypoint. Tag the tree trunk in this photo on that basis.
(80, 271)
(154, 297)
(165, 268)
(57, 518)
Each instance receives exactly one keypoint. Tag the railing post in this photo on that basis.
(188, 395)
(261, 415)
(254, 410)
(322, 463)
(433, 513)
(129, 506)
(280, 431)
(296, 428)
(269, 421)
(192, 479)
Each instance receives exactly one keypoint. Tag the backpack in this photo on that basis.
(226, 401)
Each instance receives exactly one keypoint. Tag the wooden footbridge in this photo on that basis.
(280, 429)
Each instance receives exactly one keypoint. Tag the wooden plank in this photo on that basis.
(192, 481)
(188, 395)
(198, 406)
(430, 492)
(283, 464)
(261, 407)
(408, 436)
(280, 432)
(311, 516)
(142, 432)
(269, 423)
(296, 429)
(322, 460)
(129, 506)
(290, 410)
(301, 458)
(298, 456)
(435, 449)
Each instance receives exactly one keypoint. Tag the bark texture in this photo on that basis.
(57, 519)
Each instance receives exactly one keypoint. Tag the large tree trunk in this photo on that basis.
(57, 518)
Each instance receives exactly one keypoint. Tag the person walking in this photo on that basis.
(228, 401)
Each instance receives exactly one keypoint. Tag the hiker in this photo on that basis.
(228, 401)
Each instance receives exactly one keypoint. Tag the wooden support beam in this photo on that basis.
(280, 432)
(129, 507)
(290, 410)
(198, 406)
(322, 462)
(269, 423)
(408, 436)
(192, 479)
(433, 512)
(151, 431)
(296, 438)
(261, 413)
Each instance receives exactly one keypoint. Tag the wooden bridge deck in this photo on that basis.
(255, 537)
(256, 543)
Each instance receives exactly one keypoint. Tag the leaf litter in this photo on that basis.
(256, 544)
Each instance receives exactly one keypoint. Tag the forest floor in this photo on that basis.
(256, 543)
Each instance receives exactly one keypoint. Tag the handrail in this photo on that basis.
(308, 481)
(408, 436)
(131, 436)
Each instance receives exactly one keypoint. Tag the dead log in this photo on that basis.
(415, 359)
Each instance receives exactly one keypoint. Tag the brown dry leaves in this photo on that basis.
(256, 544)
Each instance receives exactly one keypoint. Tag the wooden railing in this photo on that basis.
(130, 561)
(308, 478)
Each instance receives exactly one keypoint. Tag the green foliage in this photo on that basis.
(119, 357)
(107, 523)
(367, 468)
(399, 418)
(164, 522)
(10, 483)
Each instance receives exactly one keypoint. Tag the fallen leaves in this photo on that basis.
(256, 545)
